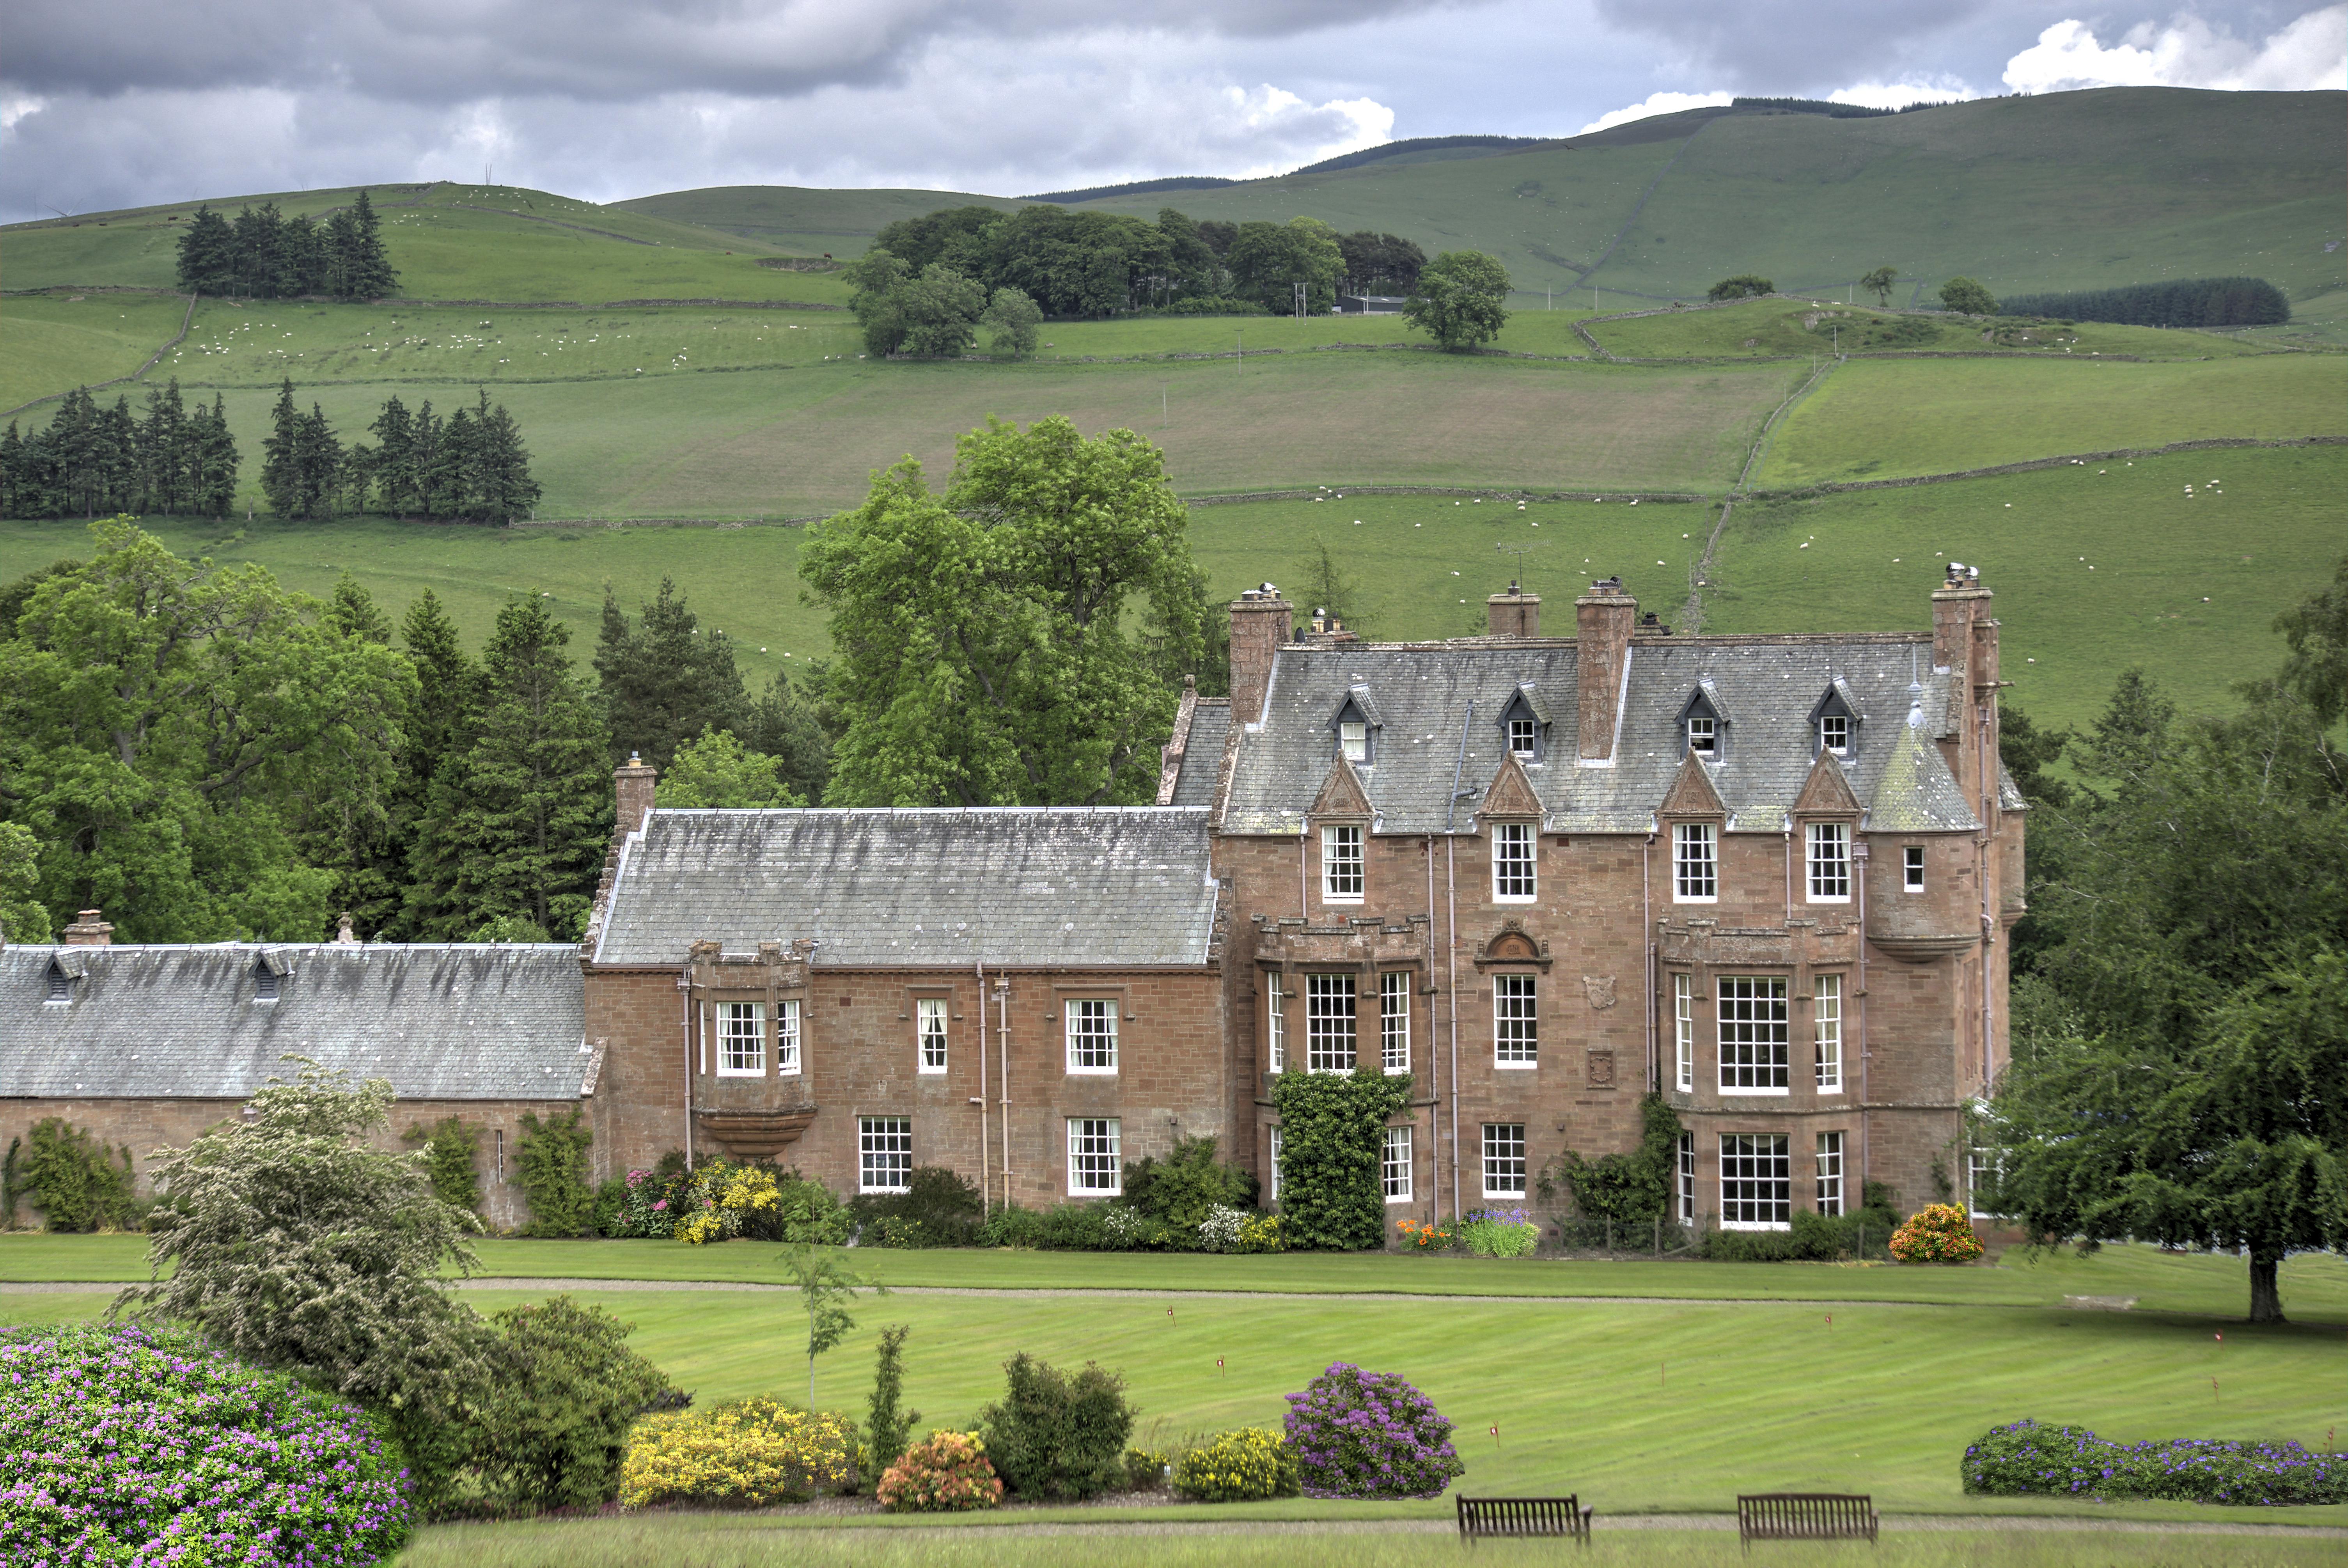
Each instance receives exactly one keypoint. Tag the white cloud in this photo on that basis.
(2186, 53)
(1654, 104)
(1902, 93)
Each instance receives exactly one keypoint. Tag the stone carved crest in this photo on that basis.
(1601, 1069)
(1599, 989)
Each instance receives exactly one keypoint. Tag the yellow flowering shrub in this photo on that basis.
(750, 1453)
(1261, 1234)
(723, 1199)
(945, 1472)
(1243, 1466)
(1936, 1233)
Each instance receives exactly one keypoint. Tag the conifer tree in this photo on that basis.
(664, 680)
(395, 475)
(162, 451)
(527, 813)
(212, 461)
(361, 841)
(439, 731)
(208, 254)
(789, 726)
(366, 270)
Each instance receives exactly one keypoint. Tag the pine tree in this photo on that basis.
(529, 812)
(504, 489)
(367, 272)
(321, 463)
(395, 462)
(664, 680)
(786, 725)
(302, 257)
(281, 456)
(363, 842)
(208, 254)
(353, 611)
(162, 451)
(439, 731)
(260, 261)
(212, 461)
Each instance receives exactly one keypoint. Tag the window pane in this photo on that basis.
(1394, 1020)
(1829, 861)
(1092, 1036)
(1834, 732)
(1757, 1182)
(1694, 861)
(1093, 1168)
(1504, 1159)
(1329, 1044)
(741, 1039)
(1274, 1195)
(1687, 1178)
(1701, 734)
(930, 1014)
(1515, 1028)
(1355, 738)
(1825, 1006)
(1913, 860)
(1512, 861)
(1276, 1038)
(1683, 1030)
(1753, 1033)
(1829, 1173)
(1522, 737)
(787, 1036)
(884, 1153)
(1396, 1166)
(1341, 862)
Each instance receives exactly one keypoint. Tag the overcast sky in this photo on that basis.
(128, 102)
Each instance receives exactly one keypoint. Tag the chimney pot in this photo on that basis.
(632, 792)
(1603, 620)
(1515, 613)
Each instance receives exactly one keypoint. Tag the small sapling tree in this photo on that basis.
(825, 1290)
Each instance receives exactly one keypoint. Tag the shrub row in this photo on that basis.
(2027, 1459)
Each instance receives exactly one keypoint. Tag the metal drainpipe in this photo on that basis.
(1304, 878)
(1647, 933)
(1433, 1124)
(685, 996)
(1002, 1003)
(983, 1206)
(1859, 852)
(1451, 957)
(1989, 922)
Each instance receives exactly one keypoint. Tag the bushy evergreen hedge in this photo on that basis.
(2026, 1458)
(2186, 302)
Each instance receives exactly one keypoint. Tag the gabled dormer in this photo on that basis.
(1835, 721)
(1702, 723)
(1524, 725)
(1355, 726)
(269, 968)
(63, 976)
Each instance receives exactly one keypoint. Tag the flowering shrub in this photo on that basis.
(148, 1448)
(1244, 1466)
(648, 1207)
(2026, 1458)
(1145, 1469)
(724, 1200)
(1499, 1233)
(1369, 1434)
(1936, 1233)
(751, 1453)
(1262, 1233)
(1426, 1238)
(945, 1472)
(1220, 1231)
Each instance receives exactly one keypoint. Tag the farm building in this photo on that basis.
(1770, 877)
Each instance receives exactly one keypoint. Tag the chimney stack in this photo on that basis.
(1260, 627)
(632, 786)
(89, 931)
(1961, 624)
(1602, 620)
(1515, 613)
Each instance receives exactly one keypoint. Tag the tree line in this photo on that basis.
(90, 460)
(267, 254)
(2184, 302)
(469, 466)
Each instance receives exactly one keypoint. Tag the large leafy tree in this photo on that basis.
(1267, 261)
(984, 651)
(166, 729)
(2316, 630)
(2180, 1071)
(1462, 299)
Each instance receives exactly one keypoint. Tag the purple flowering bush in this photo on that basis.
(122, 1445)
(2026, 1458)
(1369, 1434)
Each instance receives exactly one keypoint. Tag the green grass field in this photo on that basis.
(1889, 418)
(55, 343)
(1808, 329)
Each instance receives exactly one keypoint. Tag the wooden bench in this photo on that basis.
(1805, 1516)
(1517, 1517)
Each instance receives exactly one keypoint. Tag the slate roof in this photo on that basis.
(1764, 688)
(441, 1022)
(1210, 723)
(1100, 887)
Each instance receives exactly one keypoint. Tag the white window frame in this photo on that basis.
(1754, 1015)
(1687, 1178)
(1516, 1022)
(1979, 1162)
(1394, 1165)
(1516, 863)
(930, 1033)
(1826, 1031)
(1695, 863)
(1330, 999)
(1393, 1022)
(1276, 1033)
(787, 1036)
(1344, 863)
(1756, 1181)
(741, 1039)
(1911, 868)
(1505, 1160)
(1087, 1054)
(1684, 1032)
(1830, 1197)
(1354, 740)
(1094, 1150)
(1703, 736)
(1273, 1185)
(884, 1153)
(1524, 739)
(1827, 861)
(1834, 734)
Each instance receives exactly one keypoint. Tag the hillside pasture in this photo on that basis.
(55, 343)
(1890, 418)
(1781, 327)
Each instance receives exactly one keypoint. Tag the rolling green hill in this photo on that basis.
(809, 222)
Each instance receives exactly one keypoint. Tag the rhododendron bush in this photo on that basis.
(1369, 1434)
(119, 1445)
(945, 1472)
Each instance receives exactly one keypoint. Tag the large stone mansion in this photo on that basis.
(1769, 877)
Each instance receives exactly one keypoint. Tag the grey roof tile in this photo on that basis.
(1764, 688)
(1210, 722)
(1102, 887)
(454, 1022)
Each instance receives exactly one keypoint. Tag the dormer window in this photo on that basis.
(60, 985)
(1524, 735)
(1354, 740)
(1834, 734)
(1524, 723)
(1703, 726)
(264, 983)
(1834, 722)
(1355, 722)
(1702, 735)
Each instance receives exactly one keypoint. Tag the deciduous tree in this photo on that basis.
(1462, 299)
(1878, 283)
(1968, 297)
